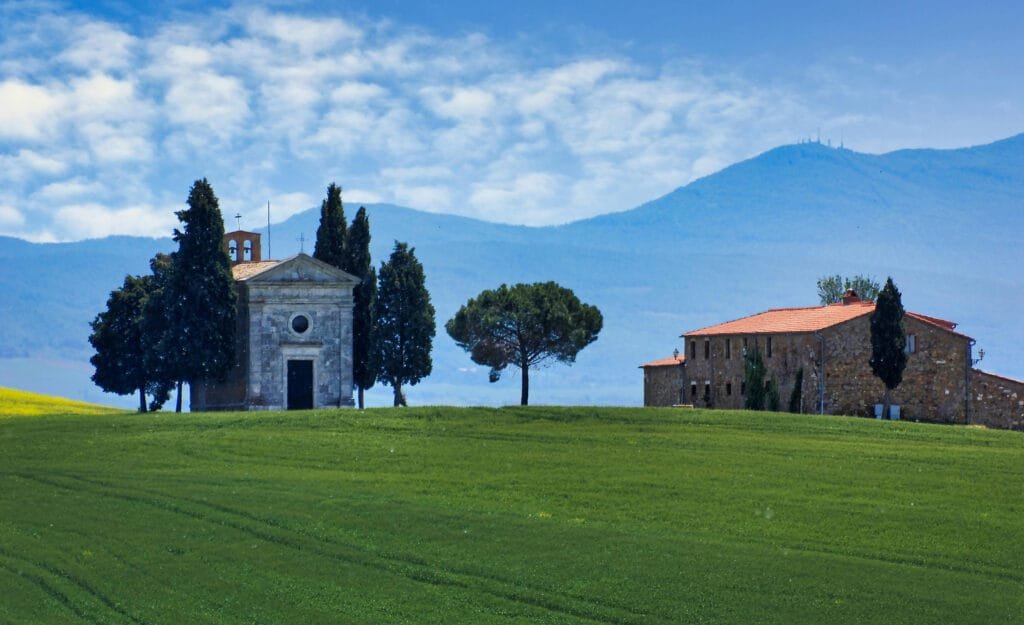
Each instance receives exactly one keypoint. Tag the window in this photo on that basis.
(247, 251)
(911, 344)
(728, 349)
(300, 323)
(743, 388)
(693, 351)
(707, 349)
(744, 345)
(707, 392)
(768, 346)
(728, 389)
(693, 391)
(233, 251)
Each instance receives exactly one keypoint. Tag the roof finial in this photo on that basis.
(238, 221)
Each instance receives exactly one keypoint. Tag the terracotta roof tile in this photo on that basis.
(244, 271)
(783, 320)
(807, 319)
(666, 362)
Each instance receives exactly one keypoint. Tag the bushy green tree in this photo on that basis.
(796, 397)
(359, 264)
(405, 322)
(331, 234)
(888, 340)
(831, 288)
(199, 298)
(754, 373)
(117, 336)
(526, 326)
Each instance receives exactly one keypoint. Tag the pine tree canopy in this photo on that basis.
(331, 234)
(525, 326)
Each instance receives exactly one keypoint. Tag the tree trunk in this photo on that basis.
(142, 399)
(399, 397)
(524, 398)
(361, 398)
(885, 410)
(177, 401)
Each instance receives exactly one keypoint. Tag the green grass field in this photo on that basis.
(539, 515)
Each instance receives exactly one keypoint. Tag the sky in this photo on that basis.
(533, 112)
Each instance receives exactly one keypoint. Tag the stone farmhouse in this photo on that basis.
(294, 334)
(832, 345)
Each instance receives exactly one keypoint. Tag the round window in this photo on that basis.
(300, 324)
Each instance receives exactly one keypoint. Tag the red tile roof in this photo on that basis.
(808, 319)
(666, 362)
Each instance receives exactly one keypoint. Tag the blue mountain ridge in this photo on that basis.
(945, 224)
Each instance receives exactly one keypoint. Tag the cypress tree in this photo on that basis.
(753, 378)
(772, 395)
(797, 396)
(331, 234)
(405, 322)
(199, 299)
(359, 264)
(888, 340)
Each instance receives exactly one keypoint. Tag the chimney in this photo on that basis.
(850, 297)
(242, 246)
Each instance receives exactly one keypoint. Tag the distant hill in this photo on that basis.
(946, 224)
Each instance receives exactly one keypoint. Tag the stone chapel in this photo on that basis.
(294, 334)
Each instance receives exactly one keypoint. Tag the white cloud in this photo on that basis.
(28, 110)
(305, 34)
(75, 188)
(215, 102)
(92, 220)
(10, 217)
(99, 46)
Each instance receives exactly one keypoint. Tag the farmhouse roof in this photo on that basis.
(666, 362)
(807, 319)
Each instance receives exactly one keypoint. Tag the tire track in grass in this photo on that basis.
(76, 581)
(52, 591)
(411, 568)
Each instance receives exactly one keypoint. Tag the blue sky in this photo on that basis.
(528, 112)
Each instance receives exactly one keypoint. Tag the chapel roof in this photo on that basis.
(244, 271)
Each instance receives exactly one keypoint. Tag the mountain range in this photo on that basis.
(945, 224)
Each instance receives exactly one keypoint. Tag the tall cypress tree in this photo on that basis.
(405, 322)
(359, 264)
(888, 340)
(754, 373)
(331, 234)
(199, 298)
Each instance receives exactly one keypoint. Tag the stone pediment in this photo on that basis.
(302, 268)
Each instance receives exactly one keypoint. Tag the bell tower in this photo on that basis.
(242, 246)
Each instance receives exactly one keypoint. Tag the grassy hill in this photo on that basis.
(539, 515)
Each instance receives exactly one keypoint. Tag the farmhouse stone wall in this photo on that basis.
(934, 386)
(997, 402)
(663, 385)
